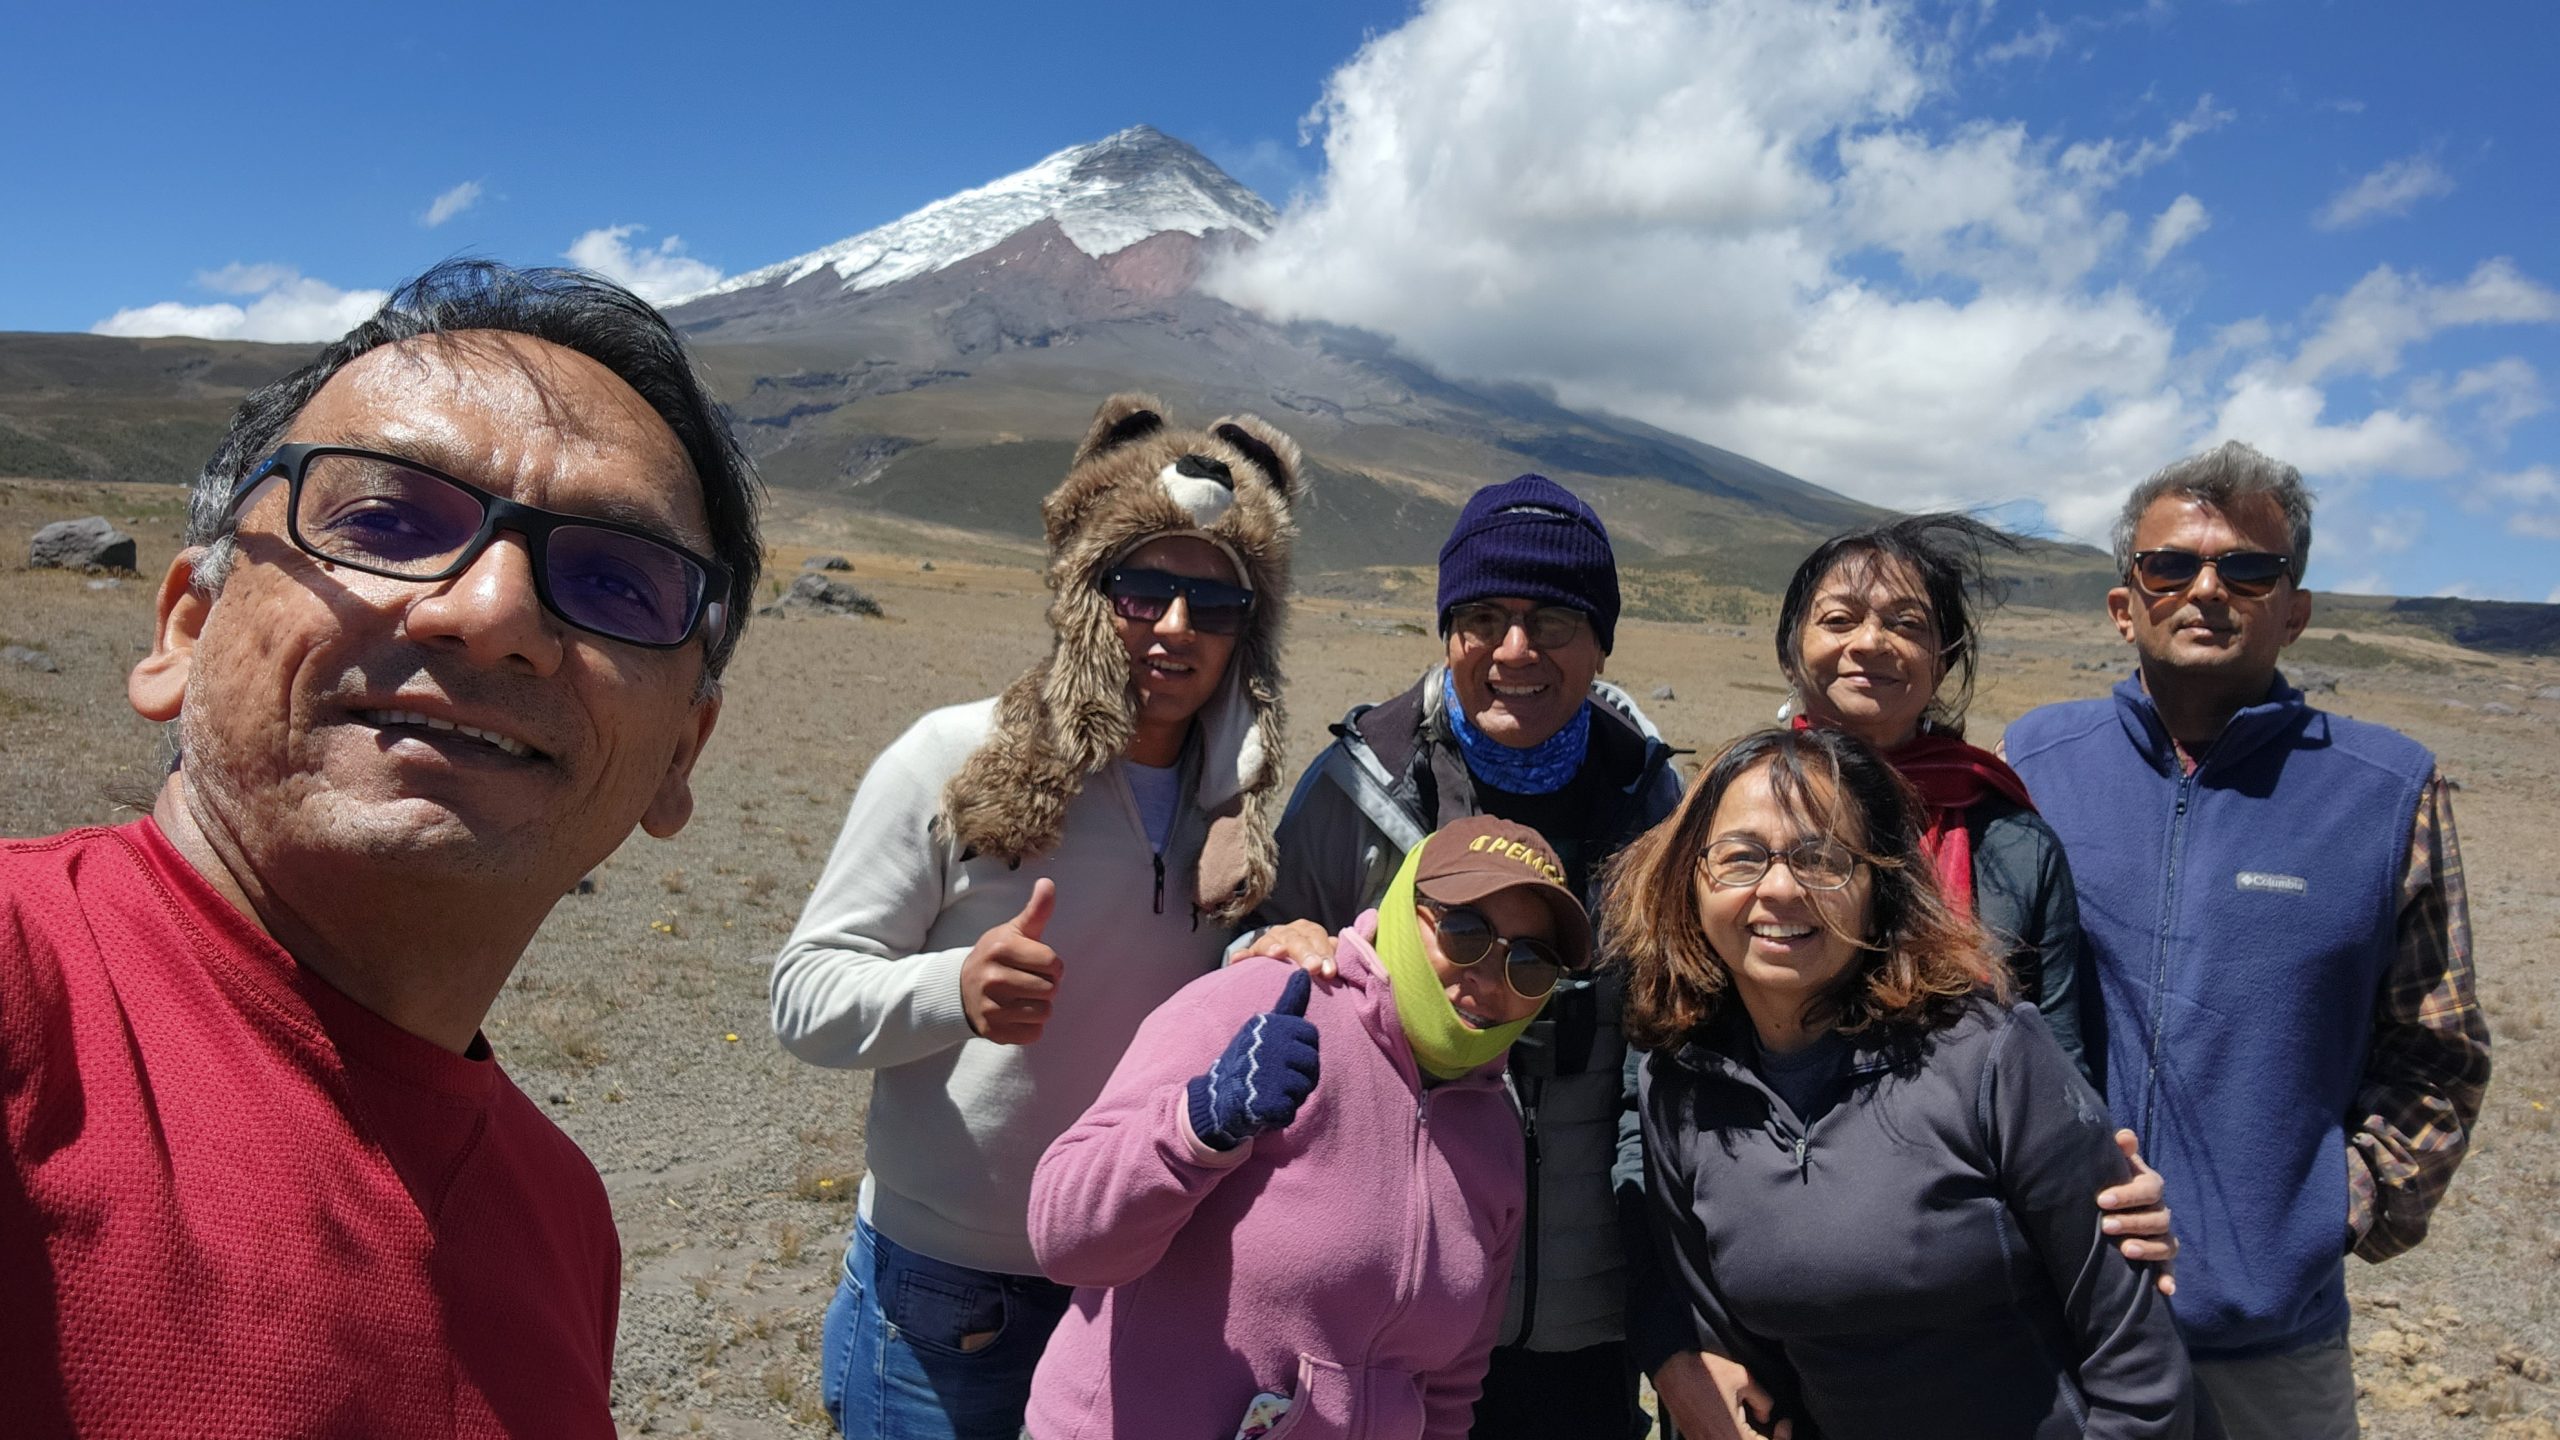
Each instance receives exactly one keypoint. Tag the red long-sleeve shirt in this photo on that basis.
(236, 1203)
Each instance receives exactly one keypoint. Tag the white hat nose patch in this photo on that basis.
(1202, 487)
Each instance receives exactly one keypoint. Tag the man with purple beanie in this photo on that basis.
(1516, 723)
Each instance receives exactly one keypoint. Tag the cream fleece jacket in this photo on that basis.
(870, 980)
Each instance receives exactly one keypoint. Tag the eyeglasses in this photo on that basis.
(1550, 627)
(1817, 864)
(1215, 607)
(2249, 574)
(385, 515)
(1532, 967)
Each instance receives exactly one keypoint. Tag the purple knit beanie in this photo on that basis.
(1534, 540)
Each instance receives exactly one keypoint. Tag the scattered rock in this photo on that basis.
(110, 583)
(814, 591)
(1663, 692)
(586, 885)
(2497, 707)
(2547, 692)
(559, 1097)
(2312, 680)
(826, 562)
(926, 567)
(31, 659)
(2526, 1364)
(89, 543)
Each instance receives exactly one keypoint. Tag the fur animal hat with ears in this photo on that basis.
(1136, 479)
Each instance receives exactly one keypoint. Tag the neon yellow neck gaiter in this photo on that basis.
(1445, 1046)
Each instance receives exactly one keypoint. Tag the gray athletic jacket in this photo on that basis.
(1393, 775)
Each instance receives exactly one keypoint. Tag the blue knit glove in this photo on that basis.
(1267, 1072)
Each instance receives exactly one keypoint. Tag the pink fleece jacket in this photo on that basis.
(1354, 1261)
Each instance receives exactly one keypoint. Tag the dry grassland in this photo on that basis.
(639, 1016)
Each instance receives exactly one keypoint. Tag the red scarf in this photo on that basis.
(1952, 777)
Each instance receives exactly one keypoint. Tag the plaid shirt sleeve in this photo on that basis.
(2429, 1065)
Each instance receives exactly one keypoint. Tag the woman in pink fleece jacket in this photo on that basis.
(1258, 1255)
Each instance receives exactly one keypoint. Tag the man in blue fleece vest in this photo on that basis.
(2274, 899)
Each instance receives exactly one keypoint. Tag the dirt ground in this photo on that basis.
(639, 1017)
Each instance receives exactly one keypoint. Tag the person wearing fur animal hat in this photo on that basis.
(1021, 881)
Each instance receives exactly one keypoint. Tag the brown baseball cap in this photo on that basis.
(1466, 860)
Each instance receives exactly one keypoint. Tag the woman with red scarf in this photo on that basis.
(1877, 637)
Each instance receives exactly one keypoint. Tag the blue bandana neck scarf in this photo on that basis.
(1542, 769)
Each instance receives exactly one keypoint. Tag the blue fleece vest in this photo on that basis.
(2241, 920)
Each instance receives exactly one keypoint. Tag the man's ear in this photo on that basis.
(2297, 614)
(672, 806)
(158, 685)
(2120, 610)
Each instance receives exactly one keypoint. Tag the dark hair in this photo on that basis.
(1947, 552)
(1920, 961)
(2224, 477)
(568, 308)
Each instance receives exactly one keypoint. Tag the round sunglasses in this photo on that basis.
(1532, 967)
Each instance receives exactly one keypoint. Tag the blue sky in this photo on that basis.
(1929, 253)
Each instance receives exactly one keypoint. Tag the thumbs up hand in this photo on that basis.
(1267, 1072)
(1010, 978)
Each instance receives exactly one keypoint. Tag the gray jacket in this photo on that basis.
(1923, 1259)
(2023, 894)
(1394, 774)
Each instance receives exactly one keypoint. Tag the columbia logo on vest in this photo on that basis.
(2272, 884)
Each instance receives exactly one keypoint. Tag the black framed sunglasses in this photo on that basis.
(1532, 967)
(1817, 863)
(391, 516)
(2249, 574)
(1550, 627)
(1215, 607)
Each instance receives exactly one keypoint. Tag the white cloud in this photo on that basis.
(661, 275)
(289, 306)
(2364, 331)
(2105, 162)
(2183, 221)
(2037, 44)
(2284, 419)
(2387, 193)
(239, 279)
(1773, 226)
(451, 203)
(2394, 532)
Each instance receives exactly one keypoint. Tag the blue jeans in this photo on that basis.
(920, 1349)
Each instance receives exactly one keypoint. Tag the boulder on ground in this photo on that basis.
(826, 562)
(814, 591)
(31, 659)
(89, 543)
(1663, 692)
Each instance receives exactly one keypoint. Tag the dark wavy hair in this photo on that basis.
(568, 308)
(1949, 554)
(1919, 961)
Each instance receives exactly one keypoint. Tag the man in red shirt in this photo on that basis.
(449, 624)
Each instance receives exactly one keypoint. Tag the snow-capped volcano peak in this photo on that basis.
(1107, 196)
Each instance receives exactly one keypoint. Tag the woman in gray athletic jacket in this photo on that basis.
(1871, 1176)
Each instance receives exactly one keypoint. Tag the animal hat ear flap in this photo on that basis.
(1272, 453)
(1122, 420)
